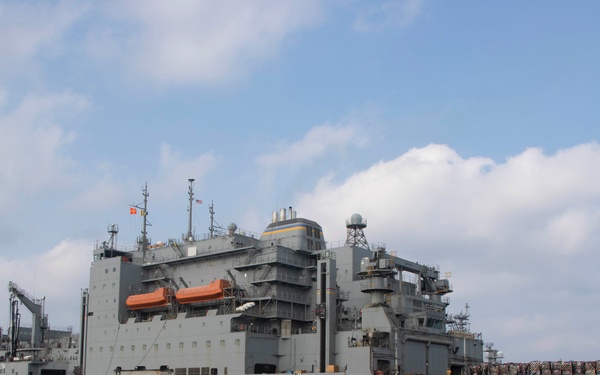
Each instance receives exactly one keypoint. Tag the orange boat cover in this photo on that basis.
(160, 297)
(212, 291)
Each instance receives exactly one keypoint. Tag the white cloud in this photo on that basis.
(97, 195)
(379, 16)
(203, 41)
(31, 28)
(32, 146)
(318, 141)
(434, 189)
(66, 265)
(520, 237)
(173, 170)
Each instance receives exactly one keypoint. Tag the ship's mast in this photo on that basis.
(190, 236)
(211, 210)
(145, 222)
(143, 242)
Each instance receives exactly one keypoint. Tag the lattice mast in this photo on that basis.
(355, 236)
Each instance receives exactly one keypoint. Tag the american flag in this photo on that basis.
(199, 201)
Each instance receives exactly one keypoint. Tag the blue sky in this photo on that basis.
(465, 132)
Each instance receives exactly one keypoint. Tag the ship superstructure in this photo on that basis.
(234, 302)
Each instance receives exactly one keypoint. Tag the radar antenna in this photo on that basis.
(213, 224)
(355, 236)
(113, 230)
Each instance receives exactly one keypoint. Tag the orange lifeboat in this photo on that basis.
(160, 297)
(212, 291)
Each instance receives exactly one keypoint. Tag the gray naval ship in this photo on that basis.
(234, 302)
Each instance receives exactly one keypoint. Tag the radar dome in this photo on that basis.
(232, 228)
(356, 219)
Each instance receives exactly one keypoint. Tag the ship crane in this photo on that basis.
(36, 307)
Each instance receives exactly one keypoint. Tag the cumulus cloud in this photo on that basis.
(433, 187)
(519, 236)
(202, 41)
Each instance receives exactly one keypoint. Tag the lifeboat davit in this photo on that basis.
(160, 297)
(212, 291)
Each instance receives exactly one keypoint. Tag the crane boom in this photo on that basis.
(36, 307)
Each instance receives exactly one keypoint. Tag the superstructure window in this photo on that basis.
(317, 233)
(309, 231)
